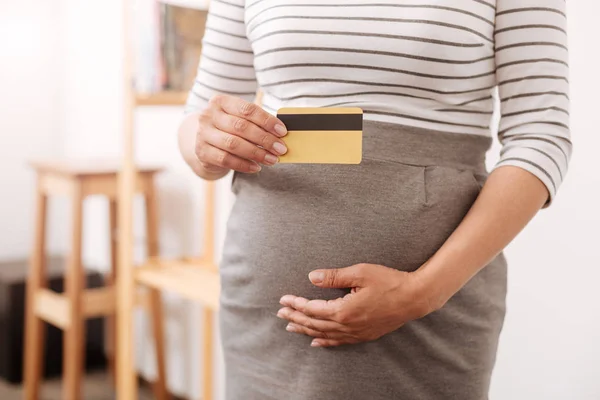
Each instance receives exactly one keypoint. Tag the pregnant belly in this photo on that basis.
(291, 219)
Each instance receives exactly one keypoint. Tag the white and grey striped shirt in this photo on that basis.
(426, 63)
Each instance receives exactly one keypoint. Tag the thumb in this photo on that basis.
(340, 278)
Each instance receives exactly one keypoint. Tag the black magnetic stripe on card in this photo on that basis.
(322, 122)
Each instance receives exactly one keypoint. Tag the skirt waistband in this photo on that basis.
(424, 147)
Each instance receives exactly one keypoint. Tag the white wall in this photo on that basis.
(30, 105)
(549, 347)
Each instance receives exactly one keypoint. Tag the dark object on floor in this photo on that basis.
(96, 386)
(12, 305)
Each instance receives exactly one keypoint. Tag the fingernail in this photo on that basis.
(271, 159)
(280, 130)
(255, 168)
(314, 343)
(316, 277)
(280, 314)
(279, 148)
(290, 328)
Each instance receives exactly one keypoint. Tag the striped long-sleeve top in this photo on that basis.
(426, 63)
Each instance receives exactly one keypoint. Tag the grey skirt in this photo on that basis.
(396, 208)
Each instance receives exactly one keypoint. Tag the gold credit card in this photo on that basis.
(322, 135)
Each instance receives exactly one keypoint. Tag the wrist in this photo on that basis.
(210, 174)
(187, 147)
(437, 283)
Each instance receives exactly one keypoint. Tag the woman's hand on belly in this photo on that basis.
(381, 300)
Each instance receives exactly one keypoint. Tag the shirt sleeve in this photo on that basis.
(532, 78)
(227, 61)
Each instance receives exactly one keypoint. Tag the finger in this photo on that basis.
(348, 277)
(293, 301)
(211, 156)
(251, 112)
(320, 342)
(324, 309)
(321, 309)
(300, 318)
(249, 131)
(295, 328)
(240, 147)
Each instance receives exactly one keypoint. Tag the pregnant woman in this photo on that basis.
(383, 280)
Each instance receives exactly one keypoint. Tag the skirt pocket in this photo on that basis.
(450, 194)
(405, 181)
(479, 179)
(445, 186)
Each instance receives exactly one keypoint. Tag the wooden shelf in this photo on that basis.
(196, 280)
(167, 98)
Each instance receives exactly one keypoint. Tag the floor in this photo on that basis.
(97, 386)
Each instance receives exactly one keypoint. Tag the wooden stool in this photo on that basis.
(68, 311)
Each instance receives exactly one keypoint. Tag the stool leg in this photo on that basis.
(35, 328)
(207, 368)
(126, 384)
(160, 387)
(111, 339)
(74, 335)
(156, 312)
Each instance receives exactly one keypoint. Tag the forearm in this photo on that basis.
(508, 201)
(187, 132)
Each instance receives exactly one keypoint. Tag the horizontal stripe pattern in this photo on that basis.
(227, 61)
(424, 63)
(532, 73)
